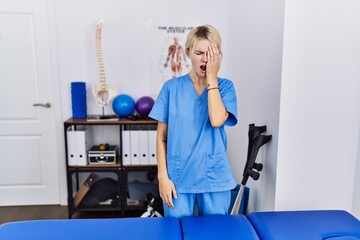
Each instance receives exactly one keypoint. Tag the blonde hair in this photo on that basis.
(207, 32)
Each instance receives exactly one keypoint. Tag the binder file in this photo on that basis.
(71, 146)
(83, 144)
(152, 147)
(134, 147)
(78, 143)
(144, 147)
(126, 153)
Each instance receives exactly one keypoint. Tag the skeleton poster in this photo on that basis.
(168, 55)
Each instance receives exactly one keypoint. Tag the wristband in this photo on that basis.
(212, 88)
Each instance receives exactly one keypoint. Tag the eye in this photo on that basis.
(199, 53)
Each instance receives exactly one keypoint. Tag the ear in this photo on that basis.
(187, 52)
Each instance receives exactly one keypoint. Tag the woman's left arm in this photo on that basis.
(217, 112)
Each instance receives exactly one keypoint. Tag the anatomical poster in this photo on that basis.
(168, 55)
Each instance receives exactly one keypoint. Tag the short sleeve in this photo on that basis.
(160, 110)
(228, 96)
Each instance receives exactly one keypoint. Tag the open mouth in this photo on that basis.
(203, 67)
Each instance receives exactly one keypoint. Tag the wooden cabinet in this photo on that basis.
(135, 154)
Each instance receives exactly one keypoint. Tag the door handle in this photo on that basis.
(46, 105)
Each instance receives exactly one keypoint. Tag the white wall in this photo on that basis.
(126, 45)
(356, 198)
(319, 113)
(317, 78)
(256, 47)
(125, 40)
(251, 32)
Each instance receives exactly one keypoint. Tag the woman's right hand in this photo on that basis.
(167, 191)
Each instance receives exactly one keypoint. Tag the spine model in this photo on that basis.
(103, 92)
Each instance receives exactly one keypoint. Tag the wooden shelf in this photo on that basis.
(120, 121)
(115, 165)
(117, 168)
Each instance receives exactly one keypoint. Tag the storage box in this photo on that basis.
(102, 157)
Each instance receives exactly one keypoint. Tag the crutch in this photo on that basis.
(256, 141)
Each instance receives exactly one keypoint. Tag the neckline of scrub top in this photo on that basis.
(194, 93)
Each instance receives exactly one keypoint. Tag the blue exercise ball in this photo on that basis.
(144, 105)
(123, 105)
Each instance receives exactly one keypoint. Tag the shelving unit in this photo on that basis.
(118, 169)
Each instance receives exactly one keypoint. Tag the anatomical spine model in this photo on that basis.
(103, 92)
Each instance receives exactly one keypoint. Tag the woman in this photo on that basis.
(192, 111)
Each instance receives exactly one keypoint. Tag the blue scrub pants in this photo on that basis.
(207, 204)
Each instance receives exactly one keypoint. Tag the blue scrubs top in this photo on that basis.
(196, 152)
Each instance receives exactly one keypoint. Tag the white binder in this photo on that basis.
(83, 143)
(71, 146)
(134, 147)
(152, 147)
(126, 153)
(144, 147)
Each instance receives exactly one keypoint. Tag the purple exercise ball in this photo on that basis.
(144, 105)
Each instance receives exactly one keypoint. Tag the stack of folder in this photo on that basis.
(79, 140)
(138, 146)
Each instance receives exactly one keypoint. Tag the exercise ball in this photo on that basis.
(123, 105)
(144, 105)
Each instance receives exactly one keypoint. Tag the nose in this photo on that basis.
(204, 57)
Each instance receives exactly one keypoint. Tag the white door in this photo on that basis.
(28, 160)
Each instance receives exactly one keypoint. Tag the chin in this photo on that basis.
(202, 74)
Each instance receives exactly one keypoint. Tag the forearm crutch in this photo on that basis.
(256, 141)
